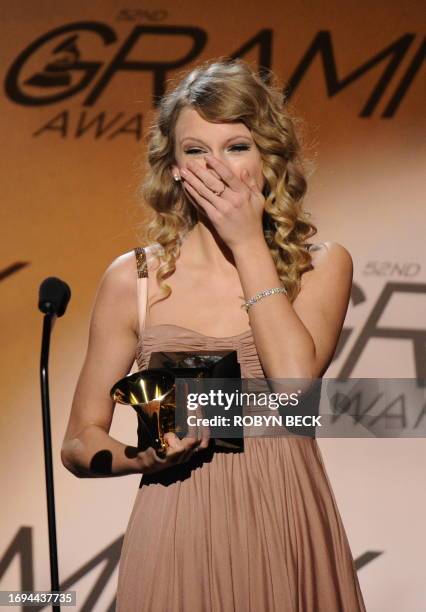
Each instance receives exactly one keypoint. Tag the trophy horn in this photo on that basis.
(151, 393)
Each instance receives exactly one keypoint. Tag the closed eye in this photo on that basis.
(193, 151)
(240, 147)
(235, 147)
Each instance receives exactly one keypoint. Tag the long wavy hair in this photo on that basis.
(225, 91)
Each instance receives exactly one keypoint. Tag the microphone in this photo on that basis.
(54, 295)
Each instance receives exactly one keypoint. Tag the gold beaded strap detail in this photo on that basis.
(141, 262)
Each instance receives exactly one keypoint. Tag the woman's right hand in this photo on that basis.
(178, 451)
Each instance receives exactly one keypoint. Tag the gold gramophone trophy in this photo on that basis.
(151, 392)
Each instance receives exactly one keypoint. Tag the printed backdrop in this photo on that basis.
(79, 84)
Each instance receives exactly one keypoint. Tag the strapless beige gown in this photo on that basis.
(252, 531)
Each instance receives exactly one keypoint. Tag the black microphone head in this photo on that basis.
(54, 295)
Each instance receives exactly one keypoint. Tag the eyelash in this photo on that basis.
(238, 147)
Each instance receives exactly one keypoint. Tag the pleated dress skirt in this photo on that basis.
(232, 531)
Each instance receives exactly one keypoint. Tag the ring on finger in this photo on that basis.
(219, 193)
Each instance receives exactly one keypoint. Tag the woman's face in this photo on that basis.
(230, 143)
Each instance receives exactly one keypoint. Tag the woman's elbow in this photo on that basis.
(69, 461)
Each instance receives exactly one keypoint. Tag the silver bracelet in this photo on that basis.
(261, 295)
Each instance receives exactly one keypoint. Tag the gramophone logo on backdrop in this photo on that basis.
(56, 72)
(64, 62)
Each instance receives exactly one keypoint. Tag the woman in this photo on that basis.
(217, 531)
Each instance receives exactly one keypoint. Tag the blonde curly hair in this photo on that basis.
(228, 90)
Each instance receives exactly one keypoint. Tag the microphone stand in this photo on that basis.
(48, 322)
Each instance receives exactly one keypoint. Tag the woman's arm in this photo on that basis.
(293, 340)
(297, 340)
(88, 450)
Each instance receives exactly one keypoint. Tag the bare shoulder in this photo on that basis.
(330, 253)
(329, 260)
(123, 267)
(120, 275)
(119, 285)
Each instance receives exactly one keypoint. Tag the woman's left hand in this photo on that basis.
(234, 206)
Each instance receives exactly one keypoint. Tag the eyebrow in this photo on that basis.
(226, 141)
